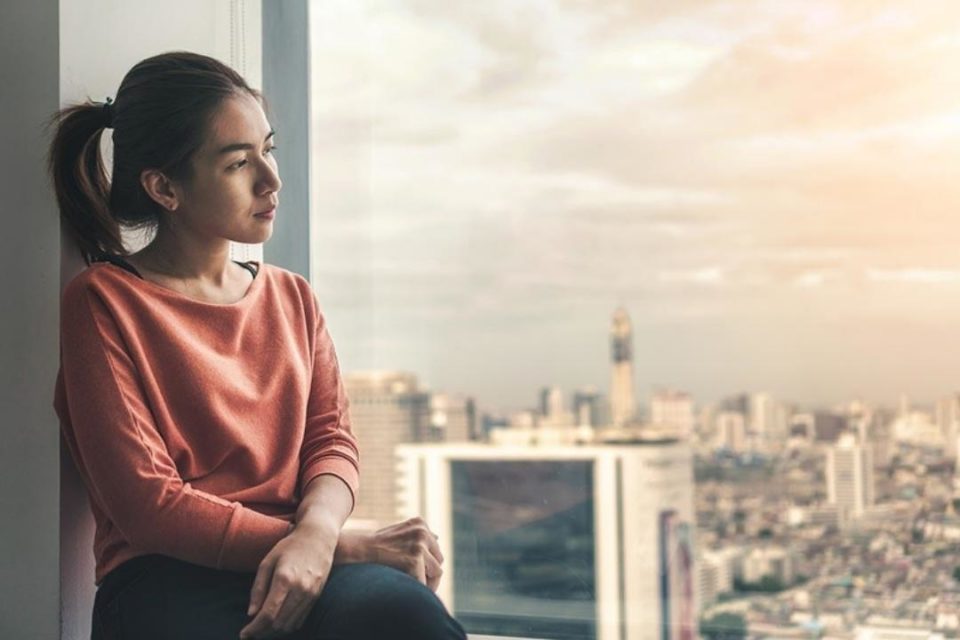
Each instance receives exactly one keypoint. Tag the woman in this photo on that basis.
(201, 397)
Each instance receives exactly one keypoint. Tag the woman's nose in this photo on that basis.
(270, 181)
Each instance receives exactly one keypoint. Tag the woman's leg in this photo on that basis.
(161, 598)
(375, 602)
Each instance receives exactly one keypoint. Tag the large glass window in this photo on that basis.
(720, 235)
(524, 544)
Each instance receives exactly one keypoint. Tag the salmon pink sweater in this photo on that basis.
(194, 425)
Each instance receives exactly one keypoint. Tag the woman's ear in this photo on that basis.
(160, 189)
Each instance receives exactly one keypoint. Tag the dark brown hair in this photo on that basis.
(160, 118)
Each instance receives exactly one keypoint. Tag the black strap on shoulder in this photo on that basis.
(120, 262)
(248, 266)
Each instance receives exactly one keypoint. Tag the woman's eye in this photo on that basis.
(238, 164)
(271, 149)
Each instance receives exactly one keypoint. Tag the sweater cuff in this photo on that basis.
(249, 537)
(335, 466)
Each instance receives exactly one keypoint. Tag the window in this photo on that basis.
(691, 263)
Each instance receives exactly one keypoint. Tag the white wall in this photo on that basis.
(29, 250)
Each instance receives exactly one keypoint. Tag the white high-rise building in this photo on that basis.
(561, 541)
(453, 417)
(767, 422)
(849, 472)
(732, 431)
(773, 562)
(948, 420)
(551, 401)
(590, 409)
(623, 406)
(674, 410)
(552, 411)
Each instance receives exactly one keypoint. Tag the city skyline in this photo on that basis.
(766, 188)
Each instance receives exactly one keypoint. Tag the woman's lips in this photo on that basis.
(267, 215)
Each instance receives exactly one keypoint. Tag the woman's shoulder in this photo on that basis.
(96, 276)
(288, 279)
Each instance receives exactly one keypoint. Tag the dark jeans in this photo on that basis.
(156, 597)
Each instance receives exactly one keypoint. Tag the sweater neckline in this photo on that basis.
(171, 293)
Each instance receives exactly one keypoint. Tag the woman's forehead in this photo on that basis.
(238, 120)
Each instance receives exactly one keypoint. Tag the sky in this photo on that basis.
(769, 188)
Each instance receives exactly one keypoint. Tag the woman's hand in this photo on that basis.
(289, 580)
(409, 546)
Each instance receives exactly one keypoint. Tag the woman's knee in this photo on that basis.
(391, 604)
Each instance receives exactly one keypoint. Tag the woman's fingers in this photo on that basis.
(420, 569)
(432, 571)
(263, 623)
(434, 547)
(301, 615)
(260, 585)
(290, 611)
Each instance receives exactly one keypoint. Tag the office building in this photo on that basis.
(731, 431)
(453, 418)
(386, 409)
(850, 483)
(561, 541)
(590, 408)
(672, 410)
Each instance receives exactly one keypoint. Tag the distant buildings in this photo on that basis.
(590, 408)
(850, 481)
(388, 408)
(717, 569)
(732, 431)
(553, 411)
(948, 422)
(453, 418)
(767, 422)
(771, 562)
(672, 410)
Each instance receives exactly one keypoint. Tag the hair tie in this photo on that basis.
(108, 111)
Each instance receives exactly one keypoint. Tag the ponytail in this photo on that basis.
(80, 180)
(164, 109)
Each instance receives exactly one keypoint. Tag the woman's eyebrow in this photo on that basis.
(242, 146)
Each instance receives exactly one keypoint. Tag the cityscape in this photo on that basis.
(606, 517)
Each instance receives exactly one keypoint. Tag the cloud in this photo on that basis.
(520, 169)
(915, 275)
(707, 276)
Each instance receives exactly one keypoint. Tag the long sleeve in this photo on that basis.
(329, 445)
(129, 471)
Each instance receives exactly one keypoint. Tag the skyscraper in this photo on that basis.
(386, 408)
(731, 431)
(767, 423)
(552, 410)
(453, 418)
(948, 420)
(850, 477)
(622, 401)
(590, 408)
(674, 410)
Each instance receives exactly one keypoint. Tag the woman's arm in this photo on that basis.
(326, 503)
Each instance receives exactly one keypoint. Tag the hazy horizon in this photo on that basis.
(766, 187)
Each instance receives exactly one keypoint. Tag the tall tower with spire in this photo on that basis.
(622, 401)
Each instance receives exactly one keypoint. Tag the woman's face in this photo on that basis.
(234, 176)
